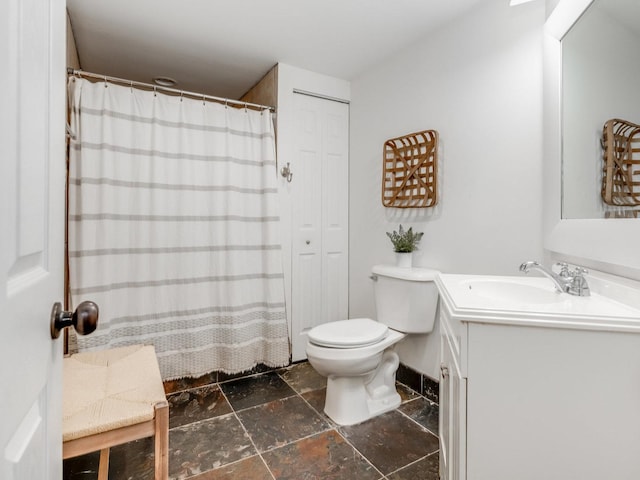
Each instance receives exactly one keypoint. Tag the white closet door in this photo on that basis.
(31, 237)
(320, 216)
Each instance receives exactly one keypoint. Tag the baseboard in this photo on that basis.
(419, 382)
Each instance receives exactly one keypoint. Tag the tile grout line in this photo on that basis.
(235, 411)
(218, 382)
(337, 430)
(360, 453)
(416, 422)
(329, 427)
(414, 462)
(187, 388)
(246, 432)
(417, 393)
(330, 424)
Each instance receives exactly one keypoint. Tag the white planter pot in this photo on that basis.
(404, 259)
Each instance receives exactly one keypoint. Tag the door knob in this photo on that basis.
(84, 319)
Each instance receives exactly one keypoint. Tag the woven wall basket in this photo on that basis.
(621, 169)
(410, 170)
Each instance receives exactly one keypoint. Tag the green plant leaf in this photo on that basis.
(405, 241)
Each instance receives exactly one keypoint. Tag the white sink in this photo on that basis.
(528, 299)
(512, 291)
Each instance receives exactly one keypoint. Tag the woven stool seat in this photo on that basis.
(111, 397)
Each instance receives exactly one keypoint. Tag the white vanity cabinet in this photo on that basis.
(452, 405)
(539, 391)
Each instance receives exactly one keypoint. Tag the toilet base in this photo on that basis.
(352, 400)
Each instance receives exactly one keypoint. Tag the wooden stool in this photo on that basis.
(113, 397)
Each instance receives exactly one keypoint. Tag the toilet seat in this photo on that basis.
(352, 333)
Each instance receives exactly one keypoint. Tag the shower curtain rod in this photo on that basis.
(106, 78)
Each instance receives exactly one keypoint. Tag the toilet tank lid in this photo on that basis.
(414, 274)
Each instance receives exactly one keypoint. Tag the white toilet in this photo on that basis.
(356, 355)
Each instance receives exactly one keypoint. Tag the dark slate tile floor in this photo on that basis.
(271, 426)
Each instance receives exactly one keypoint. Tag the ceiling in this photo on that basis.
(223, 47)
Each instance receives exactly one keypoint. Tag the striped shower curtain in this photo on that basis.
(173, 228)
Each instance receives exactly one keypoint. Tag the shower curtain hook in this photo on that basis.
(204, 103)
(155, 91)
(105, 82)
(70, 133)
(181, 94)
(245, 107)
(226, 103)
(131, 86)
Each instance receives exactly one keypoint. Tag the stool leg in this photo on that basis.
(161, 441)
(103, 468)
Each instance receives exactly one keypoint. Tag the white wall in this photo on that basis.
(550, 5)
(72, 53)
(478, 81)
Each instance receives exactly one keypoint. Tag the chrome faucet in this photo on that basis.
(567, 281)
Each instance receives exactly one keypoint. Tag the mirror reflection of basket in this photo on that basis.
(621, 156)
(410, 170)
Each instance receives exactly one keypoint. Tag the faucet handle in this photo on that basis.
(579, 285)
(564, 269)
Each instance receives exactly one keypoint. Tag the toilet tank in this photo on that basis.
(406, 298)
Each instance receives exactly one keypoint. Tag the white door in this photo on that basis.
(320, 216)
(32, 92)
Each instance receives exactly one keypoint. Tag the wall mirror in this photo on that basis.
(600, 82)
(607, 244)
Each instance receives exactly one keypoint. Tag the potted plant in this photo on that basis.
(404, 243)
